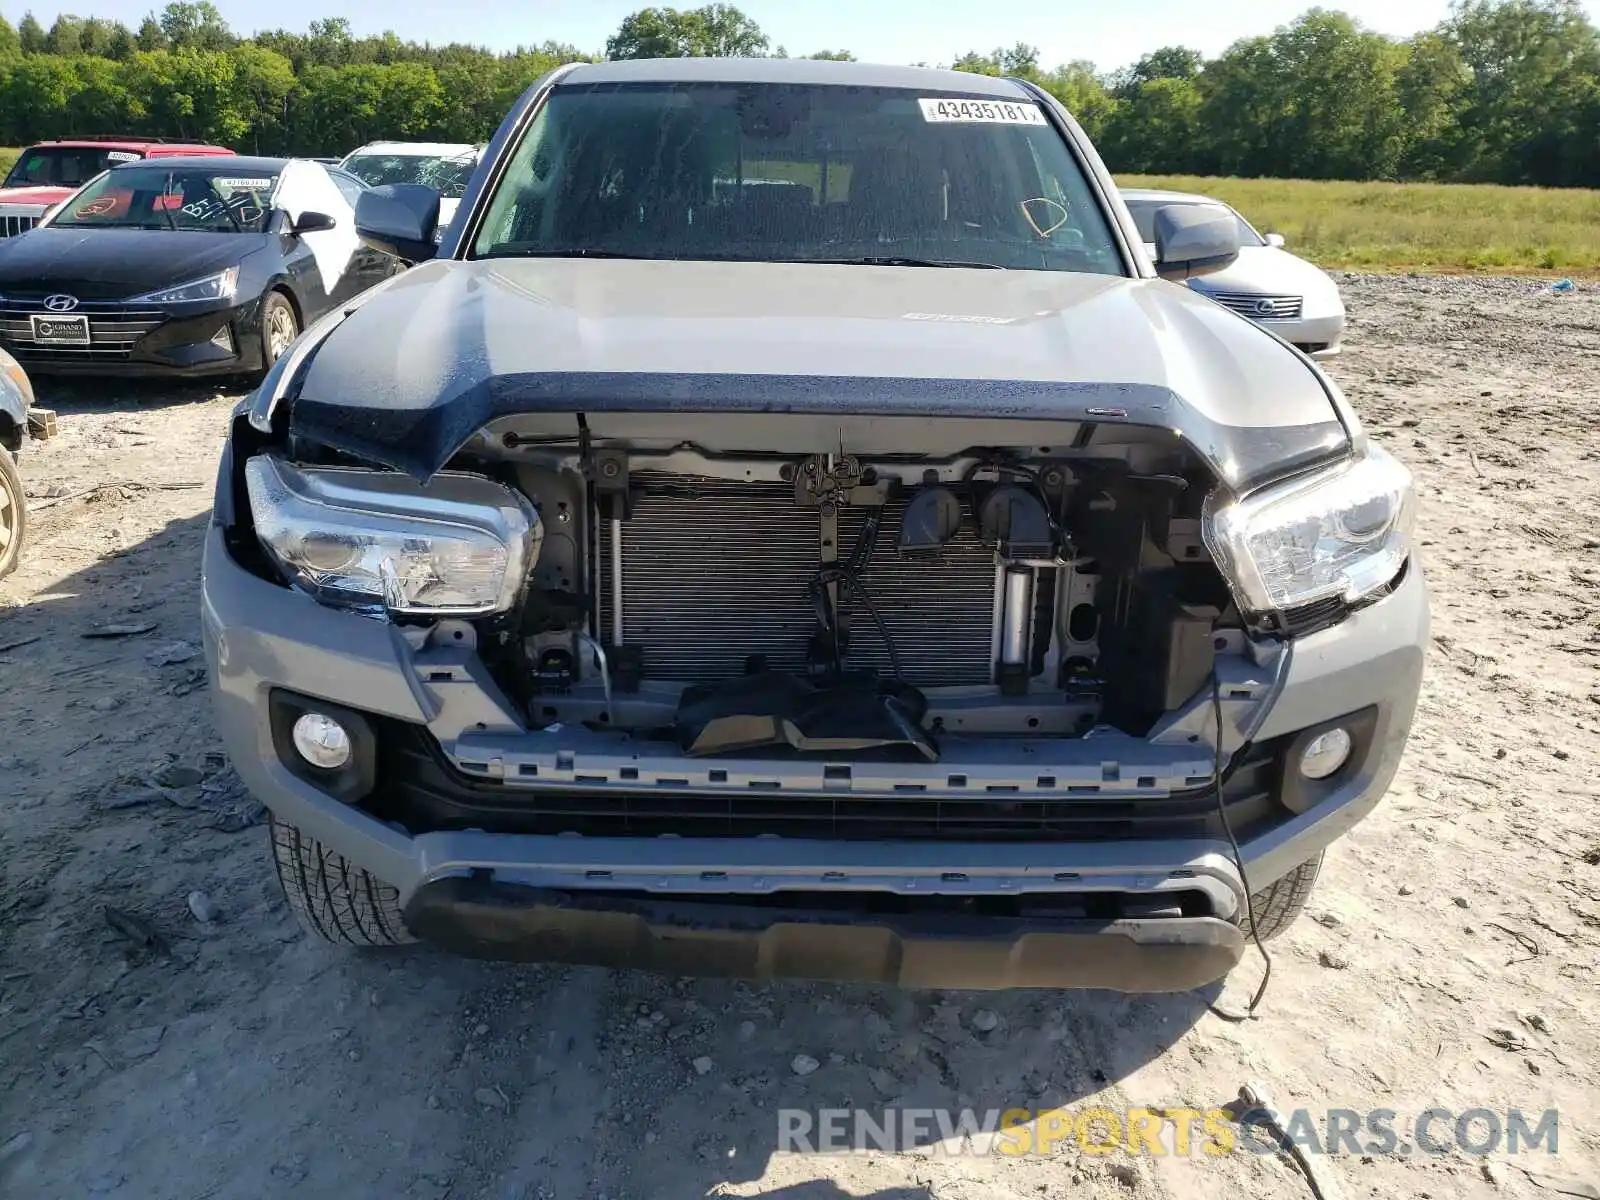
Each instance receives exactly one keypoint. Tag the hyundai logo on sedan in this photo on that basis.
(61, 303)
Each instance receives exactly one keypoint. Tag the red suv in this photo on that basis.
(46, 174)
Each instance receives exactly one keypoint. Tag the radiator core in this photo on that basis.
(716, 571)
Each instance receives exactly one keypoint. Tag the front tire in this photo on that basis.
(330, 896)
(13, 514)
(279, 328)
(1278, 904)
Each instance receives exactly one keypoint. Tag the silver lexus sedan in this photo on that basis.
(1284, 293)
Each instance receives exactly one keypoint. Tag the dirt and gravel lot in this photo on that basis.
(1449, 958)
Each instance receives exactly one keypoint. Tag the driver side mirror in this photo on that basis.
(1275, 240)
(1194, 239)
(400, 220)
(312, 222)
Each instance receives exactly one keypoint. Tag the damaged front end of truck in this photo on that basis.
(807, 621)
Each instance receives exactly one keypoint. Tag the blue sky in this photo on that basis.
(896, 31)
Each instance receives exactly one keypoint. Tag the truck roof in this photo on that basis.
(130, 144)
(793, 70)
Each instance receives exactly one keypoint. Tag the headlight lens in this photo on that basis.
(1344, 532)
(221, 286)
(378, 541)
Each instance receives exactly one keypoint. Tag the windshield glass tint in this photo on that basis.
(1144, 216)
(62, 167)
(447, 176)
(772, 172)
(151, 197)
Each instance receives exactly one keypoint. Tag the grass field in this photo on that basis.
(8, 155)
(1445, 227)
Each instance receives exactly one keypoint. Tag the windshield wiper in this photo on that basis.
(897, 260)
(566, 252)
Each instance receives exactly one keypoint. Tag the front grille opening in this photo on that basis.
(421, 790)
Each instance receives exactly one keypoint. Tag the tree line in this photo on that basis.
(1503, 91)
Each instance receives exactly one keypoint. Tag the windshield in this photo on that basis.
(219, 200)
(63, 166)
(447, 176)
(778, 172)
(1144, 216)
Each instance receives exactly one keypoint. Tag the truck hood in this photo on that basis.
(438, 352)
(44, 197)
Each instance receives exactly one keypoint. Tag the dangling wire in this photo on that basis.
(851, 587)
(1238, 861)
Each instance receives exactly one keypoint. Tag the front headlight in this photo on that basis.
(220, 286)
(1344, 532)
(460, 545)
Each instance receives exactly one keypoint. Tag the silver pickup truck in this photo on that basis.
(789, 526)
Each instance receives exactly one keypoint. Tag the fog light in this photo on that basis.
(1323, 755)
(321, 741)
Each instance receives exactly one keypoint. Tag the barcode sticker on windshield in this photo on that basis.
(998, 112)
(121, 156)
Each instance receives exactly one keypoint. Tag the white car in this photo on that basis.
(1280, 291)
(444, 166)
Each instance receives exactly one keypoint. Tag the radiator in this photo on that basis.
(716, 571)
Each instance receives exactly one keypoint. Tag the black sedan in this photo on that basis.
(184, 266)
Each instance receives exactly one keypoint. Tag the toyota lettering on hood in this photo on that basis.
(447, 348)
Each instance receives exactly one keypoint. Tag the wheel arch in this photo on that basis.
(283, 287)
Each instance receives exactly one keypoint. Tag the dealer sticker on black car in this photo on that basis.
(61, 331)
(993, 112)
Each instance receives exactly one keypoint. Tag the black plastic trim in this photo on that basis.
(481, 917)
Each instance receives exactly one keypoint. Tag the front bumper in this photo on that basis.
(825, 907)
(129, 340)
(489, 919)
(1320, 336)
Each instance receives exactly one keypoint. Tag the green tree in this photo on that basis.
(264, 81)
(10, 43)
(99, 99)
(31, 35)
(329, 42)
(833, 56)
(37, 90)
(714, 31)
(1429, 88)
(151, 36)
(1079, 87)
(1314, 100)
(1535, 75)
(65, 37)
(188, 94)
(121, 44)
(96, 36)
(195, 26)
(1154, 129)
(1169, 62)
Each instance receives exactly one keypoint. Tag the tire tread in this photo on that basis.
(1278, 904)
(331, 896)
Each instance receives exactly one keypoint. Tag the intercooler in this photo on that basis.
(718, 572)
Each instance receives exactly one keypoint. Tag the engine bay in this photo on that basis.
(856, 603)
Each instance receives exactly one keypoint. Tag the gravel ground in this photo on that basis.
(1449, 957)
